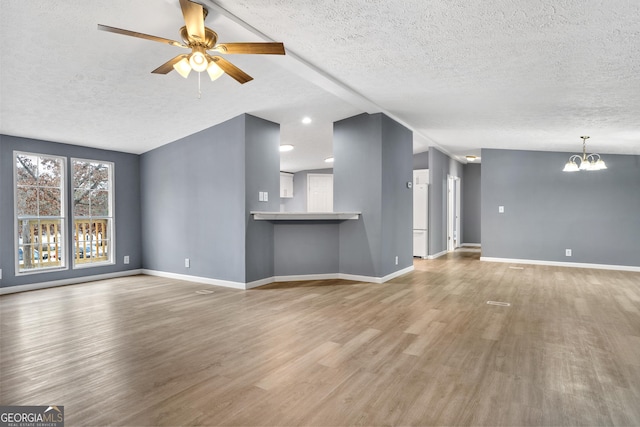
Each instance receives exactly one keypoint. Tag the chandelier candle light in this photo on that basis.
(588, 162)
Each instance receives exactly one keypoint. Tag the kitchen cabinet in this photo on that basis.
(286, 185)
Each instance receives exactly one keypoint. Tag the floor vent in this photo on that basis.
(204, 292)
(503, 304)
(516, 268)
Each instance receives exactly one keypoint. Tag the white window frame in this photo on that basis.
(64, 265)
(111, 217)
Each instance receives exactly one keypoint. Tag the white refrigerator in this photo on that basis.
(420, 218)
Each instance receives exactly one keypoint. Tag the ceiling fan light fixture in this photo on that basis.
(198, 60)
(214, 71)
(182, 67)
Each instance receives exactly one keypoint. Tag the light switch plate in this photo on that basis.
(500, 209)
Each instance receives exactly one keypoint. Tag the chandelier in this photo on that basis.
(584, 162)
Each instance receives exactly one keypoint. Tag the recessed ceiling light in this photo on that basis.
(306, 120)
(286, 147)
(471, 158)
(329, 160)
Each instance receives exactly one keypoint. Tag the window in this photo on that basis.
(92, 183)
(40, 214)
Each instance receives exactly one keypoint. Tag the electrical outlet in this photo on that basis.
(0, 273)
(187, 263)
(567, 252)
(126, 259)
(266, 196)
(261, 196)
(396, 260)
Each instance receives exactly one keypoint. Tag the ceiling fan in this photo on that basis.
(200, 40)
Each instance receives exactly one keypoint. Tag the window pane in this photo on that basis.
(81, 202)
(99, 176)
(82, 242)
(26, 201)
(50, 170)
(49, 202)
(99, 203)
(82, 231)
(26, 231)
(28, 257)
(81, 174)
(26, 170)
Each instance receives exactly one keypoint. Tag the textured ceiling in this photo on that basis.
(518, 74)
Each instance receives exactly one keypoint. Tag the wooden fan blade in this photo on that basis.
(193, 19)
(168, 66)
(251, 48)
(140, 35)
(235, 72)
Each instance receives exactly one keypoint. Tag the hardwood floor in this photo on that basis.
(422, 349)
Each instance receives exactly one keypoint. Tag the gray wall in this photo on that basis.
(471, 203)
(596, 214)
(197, 195)
(373, 162)
(262, 173)
(440, 165)
(421, 160)
(126, 212)
(397, 198)
(298, 203)
(305, 247)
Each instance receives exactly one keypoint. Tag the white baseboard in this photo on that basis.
(301, 277)
(344, 276)
(563, 264)
(371, 279)
(438, 255)
(471, 245)
(65, 282)
(259, 283)
(397, 273)
(275, 279)
(197, 279)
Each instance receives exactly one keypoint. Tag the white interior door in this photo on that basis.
(457, 237)
(453, 212)
(420, 206)
(320, 193)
